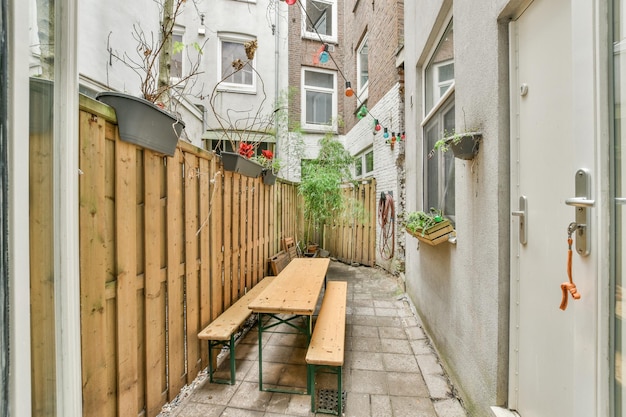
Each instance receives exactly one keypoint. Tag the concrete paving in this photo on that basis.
(390, 368)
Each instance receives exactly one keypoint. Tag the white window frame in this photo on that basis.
(314, 35)
(333, 122)
(362, 156)
(362, 89)
(230, 86)
(442, 104)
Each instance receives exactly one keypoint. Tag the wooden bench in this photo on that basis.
(326, 348)
(278, 262)
(289, 245)
(221, 331)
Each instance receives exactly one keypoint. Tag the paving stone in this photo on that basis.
(392, 333)
(407, 384)
(371, 361)
(394, 346)
(358, 405)
(449, 408)
(367, 382)
(412, 407)
(395, 362)
(381, 406)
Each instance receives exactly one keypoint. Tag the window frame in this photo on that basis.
(441, 106)
(232, 86)
(362, 88)
(361, 158)
(332, 38)
(303, 91)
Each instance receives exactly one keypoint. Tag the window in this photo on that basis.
(176, 62)
(320, 20)
(364, 163)
(319, 104)
(440, 121)
(233, 52)
(439, 74)
(362, 70)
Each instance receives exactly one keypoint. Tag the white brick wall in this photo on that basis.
(389, 178)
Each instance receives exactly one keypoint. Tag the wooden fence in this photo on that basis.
(352, 236)
(166, 244)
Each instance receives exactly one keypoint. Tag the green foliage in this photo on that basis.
(419, 221)
(322, 179)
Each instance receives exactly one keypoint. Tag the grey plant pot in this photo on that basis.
(237, 163)
(143, 123)
(467, 147)
(269, 178)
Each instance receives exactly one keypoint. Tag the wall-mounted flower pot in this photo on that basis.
(434, 235)
(465, 145)
(143, 123)
(269, 178)
(237, 163)
(40, 105)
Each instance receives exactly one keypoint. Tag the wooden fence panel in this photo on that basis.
(154, 284)
(167, 243)
(93, 268)
(126, 295)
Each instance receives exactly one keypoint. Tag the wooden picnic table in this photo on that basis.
(291, 296)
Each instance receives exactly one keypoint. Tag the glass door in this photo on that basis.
(618, 209)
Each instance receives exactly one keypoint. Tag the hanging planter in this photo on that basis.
(143, 123)
(269, 178)
(237, 163)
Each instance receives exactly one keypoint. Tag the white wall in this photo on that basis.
(389, 177)
(461, 291)
(109, 25)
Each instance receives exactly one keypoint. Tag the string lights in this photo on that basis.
(322, 56)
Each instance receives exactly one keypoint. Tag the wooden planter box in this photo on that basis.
(434, 235)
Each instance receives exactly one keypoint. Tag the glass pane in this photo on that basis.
(369, 161)
(446, 72)
(443, 53)
(319, 17)
(318, 79)
(358, 167)
(448, 189)
(231, 52)
(41, 230)
(363, 70)
(432, 168)
(176, 66)
(318, 108)
(619, 208)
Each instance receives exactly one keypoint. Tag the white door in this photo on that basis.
(553, 355)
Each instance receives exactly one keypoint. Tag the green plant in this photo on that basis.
(452, 138)
(321, 183)
(267, 160)
(419, 221)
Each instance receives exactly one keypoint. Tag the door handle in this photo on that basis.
(523, 223)
(582, 202)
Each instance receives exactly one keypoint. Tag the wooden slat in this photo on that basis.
(248, 236)
(205, 259)
(328, 340)
(228, 238)
(175, 299)
(126, 234)
(93, 267)
(153, 287)
(192, 284)
(217, 300)
(238, 276)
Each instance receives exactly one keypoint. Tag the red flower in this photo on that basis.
(267, 154)
(246, 150)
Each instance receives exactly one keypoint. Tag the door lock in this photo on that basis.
(582, 203)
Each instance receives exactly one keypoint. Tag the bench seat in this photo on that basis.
(221, 331)
(327, 345)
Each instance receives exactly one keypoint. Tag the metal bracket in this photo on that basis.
(582, 203)
(522, 213)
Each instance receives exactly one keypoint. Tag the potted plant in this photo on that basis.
(464, 145)
(270, 165)
(432, 227)
(241, 161)
(148, 121)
